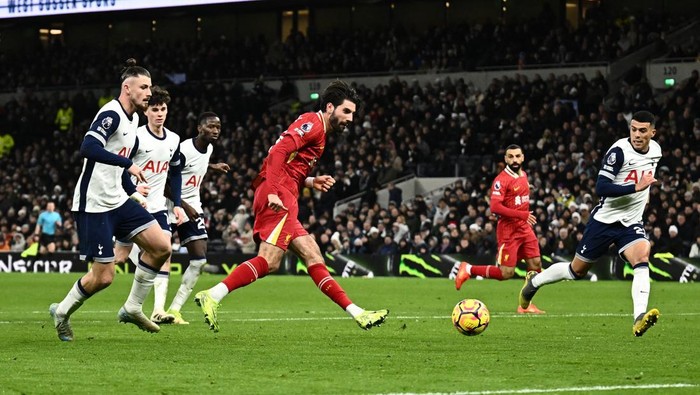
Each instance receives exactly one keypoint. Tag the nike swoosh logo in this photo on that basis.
(516, 188)
(125, 133)
(631, 163)
(148, 150)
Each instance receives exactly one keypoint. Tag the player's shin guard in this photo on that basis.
(73, 300)
(640, 288)
(143, 282)
(491, 271)
(246, 273)
(555, 273)
(189, 280)
(328, 285)
(160, 291)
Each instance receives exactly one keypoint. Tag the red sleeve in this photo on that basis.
(276, 159)
(497, 207)
(303, 131)
(498, 191)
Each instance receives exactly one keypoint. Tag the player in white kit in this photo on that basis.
(623, 186)
(157, 152)
(103, 210)
(194, 156)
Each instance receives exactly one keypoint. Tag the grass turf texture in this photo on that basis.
(282, 335)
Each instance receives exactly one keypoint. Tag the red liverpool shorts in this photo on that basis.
(276, 228)
(513, 247)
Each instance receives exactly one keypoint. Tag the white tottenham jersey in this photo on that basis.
(625, 166)
(155, 155)
(194, 164)
(99, 188)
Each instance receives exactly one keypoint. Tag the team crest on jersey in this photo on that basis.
(497, 186)
(612, 158)
(107, 122)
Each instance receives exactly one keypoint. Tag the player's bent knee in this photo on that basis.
(105, 280)
(162, 254)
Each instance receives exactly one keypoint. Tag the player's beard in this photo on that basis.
(140, 105)
(335, 123)
(514, 167)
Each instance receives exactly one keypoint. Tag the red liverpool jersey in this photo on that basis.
(510, 200)
(294, 154)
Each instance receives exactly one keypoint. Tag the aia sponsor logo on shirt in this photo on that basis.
(156, 166)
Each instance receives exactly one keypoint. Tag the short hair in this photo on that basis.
(132, 70)
(337, 92)
(158, 96)
(202, 119)
(644, 117)
(514, 146)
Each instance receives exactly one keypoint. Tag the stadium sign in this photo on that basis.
(28, 8)
(15, 263)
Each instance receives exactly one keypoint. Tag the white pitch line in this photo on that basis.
(596, 388)
(342, 317)
(502, 315)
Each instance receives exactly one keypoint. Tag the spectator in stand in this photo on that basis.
(675, 243)
(4, 244)
(695, 248)
(64, 118)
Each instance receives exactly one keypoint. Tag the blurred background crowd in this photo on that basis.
(444, 128)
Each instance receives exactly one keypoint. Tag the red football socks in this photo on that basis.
(328, 285)
(246, 273)
(487, 271)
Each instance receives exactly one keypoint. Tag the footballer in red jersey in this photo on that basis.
(284, 172)
(510, 201)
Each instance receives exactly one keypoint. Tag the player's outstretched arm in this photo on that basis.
(93, 149)
(321, 183)
(605, 187)
(221, 168)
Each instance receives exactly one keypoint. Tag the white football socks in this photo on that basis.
(189, 280)
(143, 282)
(555, 273)
(72, 302)
(640, 289)
(354, 310)
(160, 291)
(218, 292)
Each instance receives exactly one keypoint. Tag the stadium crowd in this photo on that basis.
(405, 127)
(601, 37)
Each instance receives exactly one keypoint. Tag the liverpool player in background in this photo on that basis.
(277, 227)
(510, 200)
(623, 184)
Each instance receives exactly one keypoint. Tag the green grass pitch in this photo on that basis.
(282, 336)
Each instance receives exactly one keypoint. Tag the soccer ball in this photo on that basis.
(471, 317)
